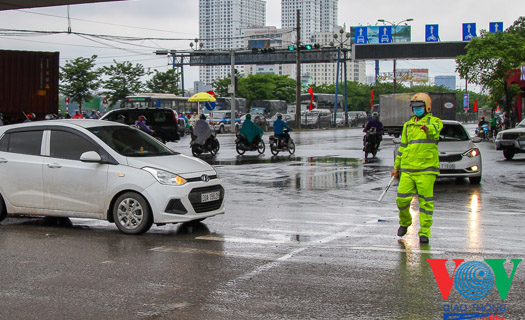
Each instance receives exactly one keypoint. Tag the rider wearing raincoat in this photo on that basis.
(250, 130)
(417, 165)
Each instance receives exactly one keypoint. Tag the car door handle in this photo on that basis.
(53, 165)
(3, 160)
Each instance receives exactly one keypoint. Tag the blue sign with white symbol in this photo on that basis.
(361, 35)
(465, 101)
(496, 27)
(431, 33)
(469, 31)
(385, 34)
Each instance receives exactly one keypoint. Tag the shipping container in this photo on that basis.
(395, 109)
(28, 84)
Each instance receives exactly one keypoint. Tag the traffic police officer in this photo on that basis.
(417, 165)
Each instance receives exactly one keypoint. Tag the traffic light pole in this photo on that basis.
(232, 73)
(298, 74)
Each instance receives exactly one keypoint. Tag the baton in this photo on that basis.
(386, 189)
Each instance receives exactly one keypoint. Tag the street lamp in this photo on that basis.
(395, 25)
(340, 40)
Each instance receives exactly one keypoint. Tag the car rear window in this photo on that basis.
(453, 132)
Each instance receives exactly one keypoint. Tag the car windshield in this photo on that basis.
(453, 132)
(131, 142)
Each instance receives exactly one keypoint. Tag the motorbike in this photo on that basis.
(211, 145)
(483, 132)
(277, 145)
(371, 139)
(242, 145)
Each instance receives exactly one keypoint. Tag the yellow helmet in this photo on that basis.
(421, 99)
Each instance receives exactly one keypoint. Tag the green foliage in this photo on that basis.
(220, 87)
(123, 80)
(164, 82)
(259, 87)
(78, 79)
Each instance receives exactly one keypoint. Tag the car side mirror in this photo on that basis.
(477, 139)
(90, 156)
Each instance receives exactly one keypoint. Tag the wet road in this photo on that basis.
(303, 237)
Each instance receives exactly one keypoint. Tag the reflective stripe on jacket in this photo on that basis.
(418, 152)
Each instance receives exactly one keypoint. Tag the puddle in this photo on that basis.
(294, 161)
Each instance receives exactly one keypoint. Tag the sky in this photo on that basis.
(179, 19)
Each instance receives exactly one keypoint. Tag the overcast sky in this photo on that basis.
(179, 19)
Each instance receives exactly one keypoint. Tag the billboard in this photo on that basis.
(374, 34)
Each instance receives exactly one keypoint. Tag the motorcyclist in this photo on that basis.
(201, 130)
(141, 124)
(250, 130)
(481, 123)
(278, 130)
(378, 125)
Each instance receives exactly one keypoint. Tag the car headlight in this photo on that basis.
(474, 152)
(166, 177)
(521, 137)
(499, 136)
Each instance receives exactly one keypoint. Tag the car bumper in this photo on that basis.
(510, 145)
(171, 204)
(466, 167)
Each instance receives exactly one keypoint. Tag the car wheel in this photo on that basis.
(3, 209)
(508, 154)
(474, 180)
(132, 214)
(261, 147)
(221, 129)
(291, 147)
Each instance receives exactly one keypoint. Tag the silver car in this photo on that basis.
(102, 170)
(511, 141)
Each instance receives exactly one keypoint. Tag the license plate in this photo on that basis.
(447, 166)
(507, 143)
(210, 196)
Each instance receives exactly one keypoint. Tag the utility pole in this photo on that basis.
(232, 72)
(298, 74)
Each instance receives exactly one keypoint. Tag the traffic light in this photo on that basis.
(291, 47)
(308, 47)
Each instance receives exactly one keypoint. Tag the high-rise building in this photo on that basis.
(316, 16)
(318, 23)
(220, 28)
(325, 73)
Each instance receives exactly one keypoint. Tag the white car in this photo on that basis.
(102, 170)
(459, 157)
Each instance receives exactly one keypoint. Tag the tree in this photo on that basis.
(220, 86)
(490, 59)
(123, 80)
(266, 87)
(78, 79)
(164, 82)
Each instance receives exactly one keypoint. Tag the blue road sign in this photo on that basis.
(361, 35)
(496, 27)
(469, 31)
(431, 33)
(385, 34)
(465, 101)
